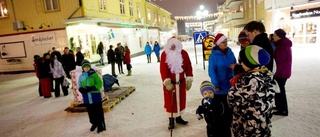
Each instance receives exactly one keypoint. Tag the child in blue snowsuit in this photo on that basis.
(211, 109)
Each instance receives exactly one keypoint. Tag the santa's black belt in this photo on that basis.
(179, 82)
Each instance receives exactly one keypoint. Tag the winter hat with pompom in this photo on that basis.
(253, 56)
(219, 38)
(206, 85)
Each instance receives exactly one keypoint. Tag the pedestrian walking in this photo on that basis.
(148, 51)
(156, 50)
(100, 51)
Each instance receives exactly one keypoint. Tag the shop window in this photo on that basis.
(102, 5)
(131, 8)
(122, 11)
(51, 5)
(3, 9)
(311, 28)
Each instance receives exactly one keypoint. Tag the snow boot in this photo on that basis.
(93, 127)
(179, 120)
(171, 123)
(129, 73)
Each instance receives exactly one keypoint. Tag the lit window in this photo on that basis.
(164, 19)
(159, 17)
(131, 8)
(3, 9)
(51, 5)
(138, 11)
(102, 5)
(149, 14)
(155, 16)
(122, 11)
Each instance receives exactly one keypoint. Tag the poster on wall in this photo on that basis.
(13, 50)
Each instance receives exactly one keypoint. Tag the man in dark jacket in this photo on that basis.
(56, 53)
(257, 36)
(68, 62)
(79, 56)
(112, 60)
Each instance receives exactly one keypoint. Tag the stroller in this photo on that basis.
(108, 81)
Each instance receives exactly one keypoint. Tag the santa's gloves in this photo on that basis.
(189, 84)
(169, 85)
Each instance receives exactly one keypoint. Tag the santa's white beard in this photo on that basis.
(174, 61)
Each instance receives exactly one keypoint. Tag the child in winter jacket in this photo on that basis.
(89, 86)
(212, 109)
(252, 94)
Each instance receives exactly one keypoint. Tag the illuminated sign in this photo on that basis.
(305, 13)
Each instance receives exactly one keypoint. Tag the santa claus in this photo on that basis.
(176, 74)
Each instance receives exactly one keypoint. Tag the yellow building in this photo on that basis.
(29, 28)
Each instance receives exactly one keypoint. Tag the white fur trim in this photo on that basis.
(222, 38)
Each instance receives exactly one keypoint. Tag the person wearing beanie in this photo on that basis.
(212, 110)
(220, 74)
(244, 42)
(177, 76)
(89, 85)
(256, 34)
(283, 59)
(252, 95)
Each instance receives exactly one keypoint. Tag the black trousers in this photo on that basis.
(58, 83)
(119, 62)
(281, 98)
(113, 70)
(96, 114)
(225, 122)
(129, 67)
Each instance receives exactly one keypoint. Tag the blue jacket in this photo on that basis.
(156, 49)
(147, 49)
(219, 69)
(90, 78)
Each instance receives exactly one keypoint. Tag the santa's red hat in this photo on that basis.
(219, 38)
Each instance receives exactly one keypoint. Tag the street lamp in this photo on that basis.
(201, 14)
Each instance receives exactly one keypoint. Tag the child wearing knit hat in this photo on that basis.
(89, 84)
(212, 110)
(252, 95)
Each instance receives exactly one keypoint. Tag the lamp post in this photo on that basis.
(201, 14)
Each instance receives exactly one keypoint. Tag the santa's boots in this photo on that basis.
(171, 123)
(179, 120)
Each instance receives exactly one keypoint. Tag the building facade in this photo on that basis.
(33, 28)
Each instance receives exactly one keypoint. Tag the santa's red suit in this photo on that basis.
(175, 66)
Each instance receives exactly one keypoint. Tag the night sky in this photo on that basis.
(187, 7)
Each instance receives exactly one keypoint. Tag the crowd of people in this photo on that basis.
(237, 101)
(240, 96)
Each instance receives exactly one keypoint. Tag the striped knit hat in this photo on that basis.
(206, 85)
(253, 56)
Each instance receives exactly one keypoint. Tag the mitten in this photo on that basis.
(169, 85)
(83, 90)
(189, 84)
(91, 88)
(199, 111)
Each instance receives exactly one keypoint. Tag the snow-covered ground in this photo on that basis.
(23, 113)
